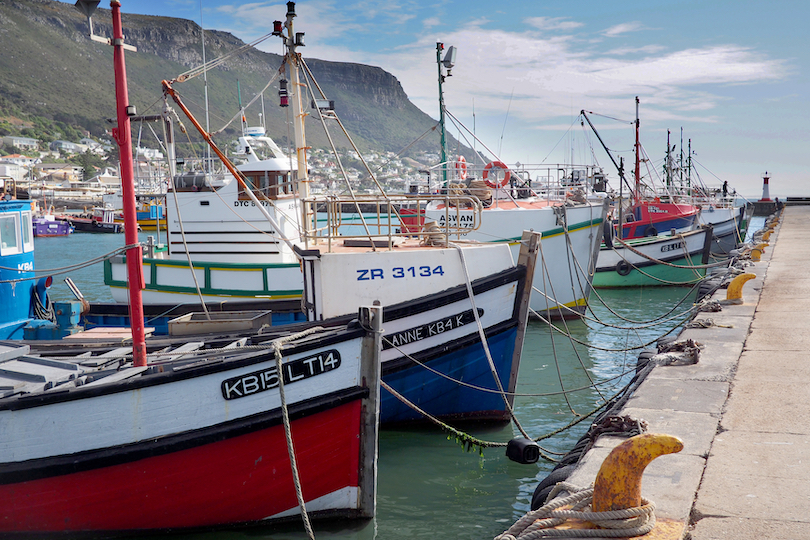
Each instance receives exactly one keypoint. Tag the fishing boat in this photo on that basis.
(183, 435)
(101, 220)
(47, 225)
(571, 228)
(517, 198)
(455, 309)
(649, 211)
(663, 260)
(727, 223)
(219, 458)
(17, 285)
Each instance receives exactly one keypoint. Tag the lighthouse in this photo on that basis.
(766, 196)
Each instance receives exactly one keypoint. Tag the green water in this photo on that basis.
(429, 487)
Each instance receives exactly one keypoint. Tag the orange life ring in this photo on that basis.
(461, 168)
(496, 165)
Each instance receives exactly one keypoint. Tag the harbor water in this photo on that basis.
(429, 485)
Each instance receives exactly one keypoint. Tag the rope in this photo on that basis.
(277, 344)
(707, 323)
(482, 335)
(614, 524)
(71, 268)
(658, 261)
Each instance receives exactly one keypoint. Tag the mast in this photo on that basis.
(291, 42)
(638, 159)
(205, 83)
(439, 47)
(669, 162)
(123, 136)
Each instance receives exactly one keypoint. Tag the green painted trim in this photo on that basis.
(675, 276)
(560, 230)
(206, 286)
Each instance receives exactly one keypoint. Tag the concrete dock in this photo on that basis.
(743, 411)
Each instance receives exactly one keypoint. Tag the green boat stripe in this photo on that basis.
(560, 230)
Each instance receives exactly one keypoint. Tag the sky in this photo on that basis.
(731, 76)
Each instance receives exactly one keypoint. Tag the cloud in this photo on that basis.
(543, 78)
(430, 22)
(623, 28)
(552, 23)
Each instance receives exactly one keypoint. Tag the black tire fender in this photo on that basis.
(623, 268)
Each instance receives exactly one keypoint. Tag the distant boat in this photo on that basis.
(102, 220)
(48, 225)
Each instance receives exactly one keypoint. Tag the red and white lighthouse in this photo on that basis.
(766, 196)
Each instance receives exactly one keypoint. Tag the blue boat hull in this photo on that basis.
(442, 397)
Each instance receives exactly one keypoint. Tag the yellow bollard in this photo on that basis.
(618, 484)
(766, 235)
(734, 292)
(756, 253)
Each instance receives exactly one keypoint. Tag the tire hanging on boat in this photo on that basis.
(623, 268)
(607, 233)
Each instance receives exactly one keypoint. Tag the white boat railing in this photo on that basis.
(384, 222)
(547, 181)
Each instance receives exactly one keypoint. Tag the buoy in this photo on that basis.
(494, 167)
(461, 168)
(734, 292)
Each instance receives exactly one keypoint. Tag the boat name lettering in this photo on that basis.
(430, 329)
(466, 220)
(249, 203)
(25, 267)
(656, 210)
(267, 379)
(399, 272)
(672, 247)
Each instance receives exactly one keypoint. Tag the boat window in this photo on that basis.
(266, 184)
(27, 232)
(9, 234)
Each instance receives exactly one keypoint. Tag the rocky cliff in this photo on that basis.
(49, 67)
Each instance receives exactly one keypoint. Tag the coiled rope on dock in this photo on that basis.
(540, 523)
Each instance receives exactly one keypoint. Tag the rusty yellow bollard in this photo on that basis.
(734, 292)
(618, 483)
(767, 235)
(756, 253)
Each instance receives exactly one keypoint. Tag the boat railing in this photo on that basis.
(385, 221)
(547, 181)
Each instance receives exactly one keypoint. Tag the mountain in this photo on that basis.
(50, 71)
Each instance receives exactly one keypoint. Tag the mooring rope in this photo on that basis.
(70, 268)
(658, 261)
(539, 523)
(483, 337)
(277, 344)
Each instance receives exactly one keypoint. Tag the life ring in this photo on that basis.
(461, 168)
(623, 268)
(651, 231)
(498, 165)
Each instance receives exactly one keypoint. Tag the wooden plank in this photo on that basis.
(119, 376)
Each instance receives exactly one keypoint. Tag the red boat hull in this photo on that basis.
(240, 479)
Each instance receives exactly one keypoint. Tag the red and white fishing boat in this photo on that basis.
(168, 435)
(649, 214)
